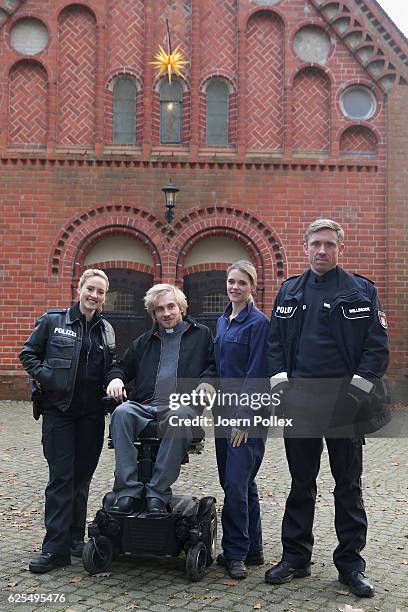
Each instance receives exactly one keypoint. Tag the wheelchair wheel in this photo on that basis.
(97, 555)
(196, 560)
(209, 533)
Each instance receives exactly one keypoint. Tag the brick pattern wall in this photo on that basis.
(218, 23)
(27, 123)
(358, 140)
(179, 18)
(311, 111)
(77, 74)
(53, 205)
(397, 230)
(125, 38)
(265, 69)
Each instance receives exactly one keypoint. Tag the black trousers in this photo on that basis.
(345, 455)
(72, 444)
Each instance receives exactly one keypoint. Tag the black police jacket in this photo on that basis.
(359, 328)
(51, 353)
(141, 361)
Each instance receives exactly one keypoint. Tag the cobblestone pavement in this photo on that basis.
(160, 584)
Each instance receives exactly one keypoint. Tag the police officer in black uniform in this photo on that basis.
(328, 352)
(68, 355)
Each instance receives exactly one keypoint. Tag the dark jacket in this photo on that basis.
(51, 354)
(140, 362)
(241, 356)
(358, 326)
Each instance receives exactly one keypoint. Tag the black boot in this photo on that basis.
(48, 561)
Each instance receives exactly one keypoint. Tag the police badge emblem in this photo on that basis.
(382, 317)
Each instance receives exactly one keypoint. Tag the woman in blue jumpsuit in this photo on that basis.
(240, 353)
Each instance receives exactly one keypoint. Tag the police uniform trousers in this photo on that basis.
(346, 464)
(72, 443)
(241, 516)
(128, 421)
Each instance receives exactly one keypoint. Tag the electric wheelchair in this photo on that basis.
(190, 526)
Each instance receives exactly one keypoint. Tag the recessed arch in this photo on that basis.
(80, 234)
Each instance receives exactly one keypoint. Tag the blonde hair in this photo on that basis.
(246, 267)
(88, 274)
(157, 291)
(320, 224)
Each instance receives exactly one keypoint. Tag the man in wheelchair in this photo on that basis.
(160, 362)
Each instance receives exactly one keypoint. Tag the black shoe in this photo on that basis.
(126, 505)
(48, 561)
(357, 583)
(253, 558)
(155, 506)
(77, 546)
(282, 572)
(236, 569)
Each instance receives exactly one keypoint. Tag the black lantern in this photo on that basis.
(170, 193)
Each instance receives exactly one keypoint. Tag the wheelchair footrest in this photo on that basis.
(150, 535)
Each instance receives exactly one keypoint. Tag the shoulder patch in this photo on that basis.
(382, 317)
(364, 277)
(291, 277)
(56, 310)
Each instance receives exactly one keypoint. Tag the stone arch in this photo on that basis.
(81, 233)
(259, 240)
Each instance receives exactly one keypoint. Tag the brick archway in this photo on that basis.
(257, 238)
(77, 237)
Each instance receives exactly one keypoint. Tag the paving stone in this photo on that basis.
(155, 584)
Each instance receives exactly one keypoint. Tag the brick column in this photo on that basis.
(397, 230)
(241, 96)
(148, 79)
(52, 116)
(100, 87)
(195, 72)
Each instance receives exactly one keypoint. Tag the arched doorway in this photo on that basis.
(129, 266)
(206, 296)
(204, 281)
(124, 307)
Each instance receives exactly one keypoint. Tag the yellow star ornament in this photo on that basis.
(170, 63)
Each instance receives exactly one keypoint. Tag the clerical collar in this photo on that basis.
(178, 329)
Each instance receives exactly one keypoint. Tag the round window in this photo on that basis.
(358, 102)
(312, 44)
(29, 36)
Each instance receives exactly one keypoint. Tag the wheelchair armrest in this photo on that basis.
(109, 404)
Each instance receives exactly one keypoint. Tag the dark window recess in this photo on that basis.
(206, 290)
(124, 111)
(124, 306)
(171, 103)
(217, 107)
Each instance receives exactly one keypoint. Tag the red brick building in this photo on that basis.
(289, 110)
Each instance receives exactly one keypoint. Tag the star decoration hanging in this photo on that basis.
(170, 62)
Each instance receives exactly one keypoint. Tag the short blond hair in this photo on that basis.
(246, 267)
(320, 224)
(92, 272)
(155, 292)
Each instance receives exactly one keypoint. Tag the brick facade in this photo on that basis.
(292, 155)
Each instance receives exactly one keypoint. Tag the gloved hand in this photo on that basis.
(279, 383)
(353, 401)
